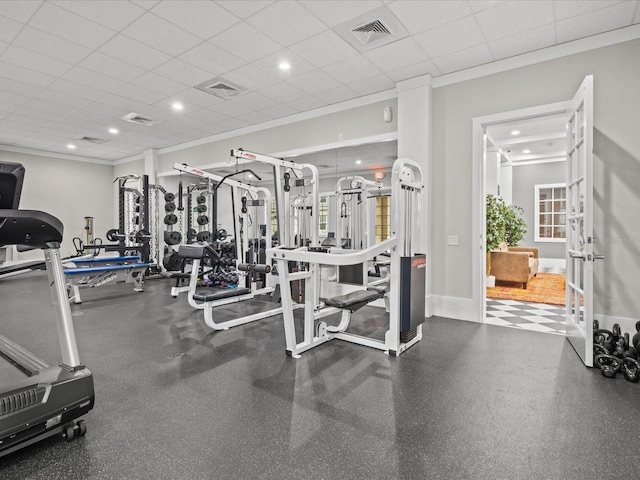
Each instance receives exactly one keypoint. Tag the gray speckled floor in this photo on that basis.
(469, 401)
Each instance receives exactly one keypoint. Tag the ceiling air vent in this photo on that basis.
(220, 88)
(371, 32)
(373, 29)
(139, 119)
(97, 141)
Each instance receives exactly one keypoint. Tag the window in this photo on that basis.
(323, 213)
(550, 216)
(383, 218)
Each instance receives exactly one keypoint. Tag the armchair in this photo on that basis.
(515, 264)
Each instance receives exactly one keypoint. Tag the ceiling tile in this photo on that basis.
(183, 72)
(25, 75)
(425, 15)
(315, 81)
(470, 57)
(396, 55)
(523, 42)
(375, 84)
(158, 83)
(197, 97)
(19, 10)
(12, 98)
(324, 49)
(636, 19)
(50, 45)
(453, 37)
(511, 18)
(92, 79)
(254, 101)
(352, 69)
(200, 17)
(35, 61)
(335, 12)
(271, 64)
(114, 14)
(208, 115)
(256, 117)
(231, 110)
(279, 111)
(14, 86)
(125, 103)
(415, 70)
(3, 47)
(233, 124)
(595, 22)
(8, 29)
(138, 93)
(65, 24)
(158, 33)
(132, 51)
(211, 58)
(479, 5)
(251, 77)
(61, 98)
(254, 44)
(337, 95)
(286, 23)
(304, 104)
(245, 8)
(58, 109)
(99, 62)
(573, 8)
(40, 114)
(282, 92)
(146, 4)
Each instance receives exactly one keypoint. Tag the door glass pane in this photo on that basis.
(545, 194)
(560, 232)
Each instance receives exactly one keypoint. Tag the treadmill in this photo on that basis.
(38, 400)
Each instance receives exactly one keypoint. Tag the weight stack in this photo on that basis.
(412, 291)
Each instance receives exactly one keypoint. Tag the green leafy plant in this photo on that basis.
(504, 224)
(515, 227)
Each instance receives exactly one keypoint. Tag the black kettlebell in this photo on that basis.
(604, 338)
(630, 369)
(616, 334)
(599, 350)
(636, 336)
(629, 350)
(608, 364)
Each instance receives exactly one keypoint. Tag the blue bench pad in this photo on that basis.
(131, 258)
(109, 268)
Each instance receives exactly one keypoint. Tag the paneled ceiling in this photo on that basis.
(70, 70)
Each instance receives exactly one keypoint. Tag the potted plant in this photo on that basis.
(504, 224)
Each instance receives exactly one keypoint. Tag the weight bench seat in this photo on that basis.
(220, 294)
(109, 268)
(355, 300)
(127, 258)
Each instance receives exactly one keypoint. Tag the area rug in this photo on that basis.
(546, 288)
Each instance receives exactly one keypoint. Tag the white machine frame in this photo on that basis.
(407, 190)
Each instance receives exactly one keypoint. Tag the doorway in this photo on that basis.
(514, 152)
(525, 172)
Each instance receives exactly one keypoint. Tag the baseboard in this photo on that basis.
(552, 263)
(627, 325)
(454, 307)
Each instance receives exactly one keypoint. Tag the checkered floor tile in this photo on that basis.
(535, 317)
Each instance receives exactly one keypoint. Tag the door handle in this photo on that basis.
(598, 257)
(576, 255)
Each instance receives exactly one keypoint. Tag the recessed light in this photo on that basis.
(249, 176)
(515, 132)
(71, 146)
(113, 131)
(526, 150)
(358, 162)
(177, 106)
(284, 66)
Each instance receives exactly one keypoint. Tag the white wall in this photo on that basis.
(617, 163)
(68, 190)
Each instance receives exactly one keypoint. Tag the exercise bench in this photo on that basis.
(98, 271)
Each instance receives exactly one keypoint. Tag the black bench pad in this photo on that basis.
(220, 294)
(354, 300)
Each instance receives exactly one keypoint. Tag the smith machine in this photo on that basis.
(407, 277)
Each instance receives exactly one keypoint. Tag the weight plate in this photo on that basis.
(203, 236)
(201, 208)
(170, 219)
(111, 235)
(200, 199)
(169, 207)
(202, 220)
(169, 197)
